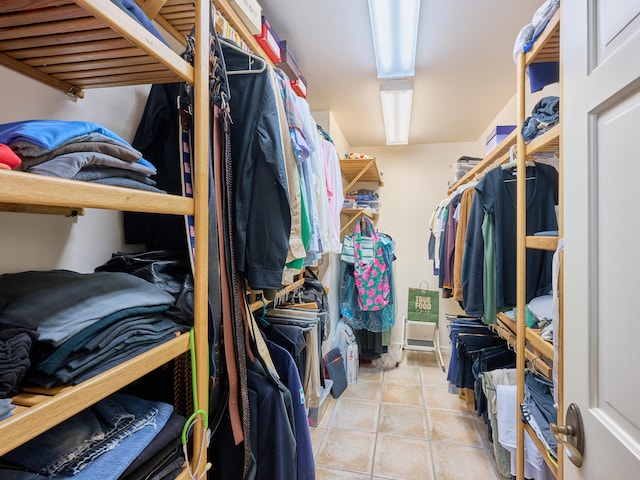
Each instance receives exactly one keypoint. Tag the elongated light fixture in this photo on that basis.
(394, 24)
(396, 96)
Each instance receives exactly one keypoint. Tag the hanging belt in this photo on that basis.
(239, 329)
(235, 346)
(227, 314)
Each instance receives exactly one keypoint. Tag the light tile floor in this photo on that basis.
(402, 424)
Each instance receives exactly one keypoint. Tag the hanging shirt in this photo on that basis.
(435, 225)
(496, 194)
(334, 193)
(296, 245)
(262, 215)
(320, 190)
(489, 270)
(463, 218)
(449, 245)
(305, 167)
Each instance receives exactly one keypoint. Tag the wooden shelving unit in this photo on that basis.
(532, 351)
(354, 171)
(73, 46)
(37, 410)
(365, 170)
(529, 341)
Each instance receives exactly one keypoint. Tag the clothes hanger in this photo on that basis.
(251, 57)
(513, 163)
(513, 160)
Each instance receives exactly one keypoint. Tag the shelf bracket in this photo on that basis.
(358, 176)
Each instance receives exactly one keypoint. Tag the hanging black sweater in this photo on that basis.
(496, 194)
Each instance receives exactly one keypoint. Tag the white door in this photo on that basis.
(600, 114)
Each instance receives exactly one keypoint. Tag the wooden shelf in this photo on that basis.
(547, 47)
(542, 243)
(25, 188)
(543, 450)
(534, 338)
(532, 335)
(42, 209)
(87, 44)
(365, 170)
(38, 411)
(537, 349)
(547, 142)
(72, 46)
(354, 215)
(354, 171)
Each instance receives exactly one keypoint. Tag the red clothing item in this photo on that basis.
(8, 157)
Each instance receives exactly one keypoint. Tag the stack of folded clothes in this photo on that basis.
(120, 437)
(16, 338)
(86, 323)
(77, 150)
(364, 199)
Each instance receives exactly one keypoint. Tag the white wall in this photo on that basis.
(33, 241)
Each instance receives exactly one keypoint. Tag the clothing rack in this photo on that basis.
(280, 294)
(534, 357)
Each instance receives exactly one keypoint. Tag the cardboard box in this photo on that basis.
(269, 41)
(250, 12)
(497, 135)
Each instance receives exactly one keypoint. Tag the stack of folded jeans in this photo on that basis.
(99, 442)
(15, 345)
(538, 409)
(86, 323)
(16, 339)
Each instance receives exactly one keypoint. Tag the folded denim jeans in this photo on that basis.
(73, 445)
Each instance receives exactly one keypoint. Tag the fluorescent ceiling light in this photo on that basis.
(394, 24)
(396, 96)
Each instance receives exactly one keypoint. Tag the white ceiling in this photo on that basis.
(465, 73)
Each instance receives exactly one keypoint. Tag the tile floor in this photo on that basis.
(402, 424)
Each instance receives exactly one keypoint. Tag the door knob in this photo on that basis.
(571, 435)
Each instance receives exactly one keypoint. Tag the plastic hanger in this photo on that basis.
(251, 57)
(513, 160)
(513, 163)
